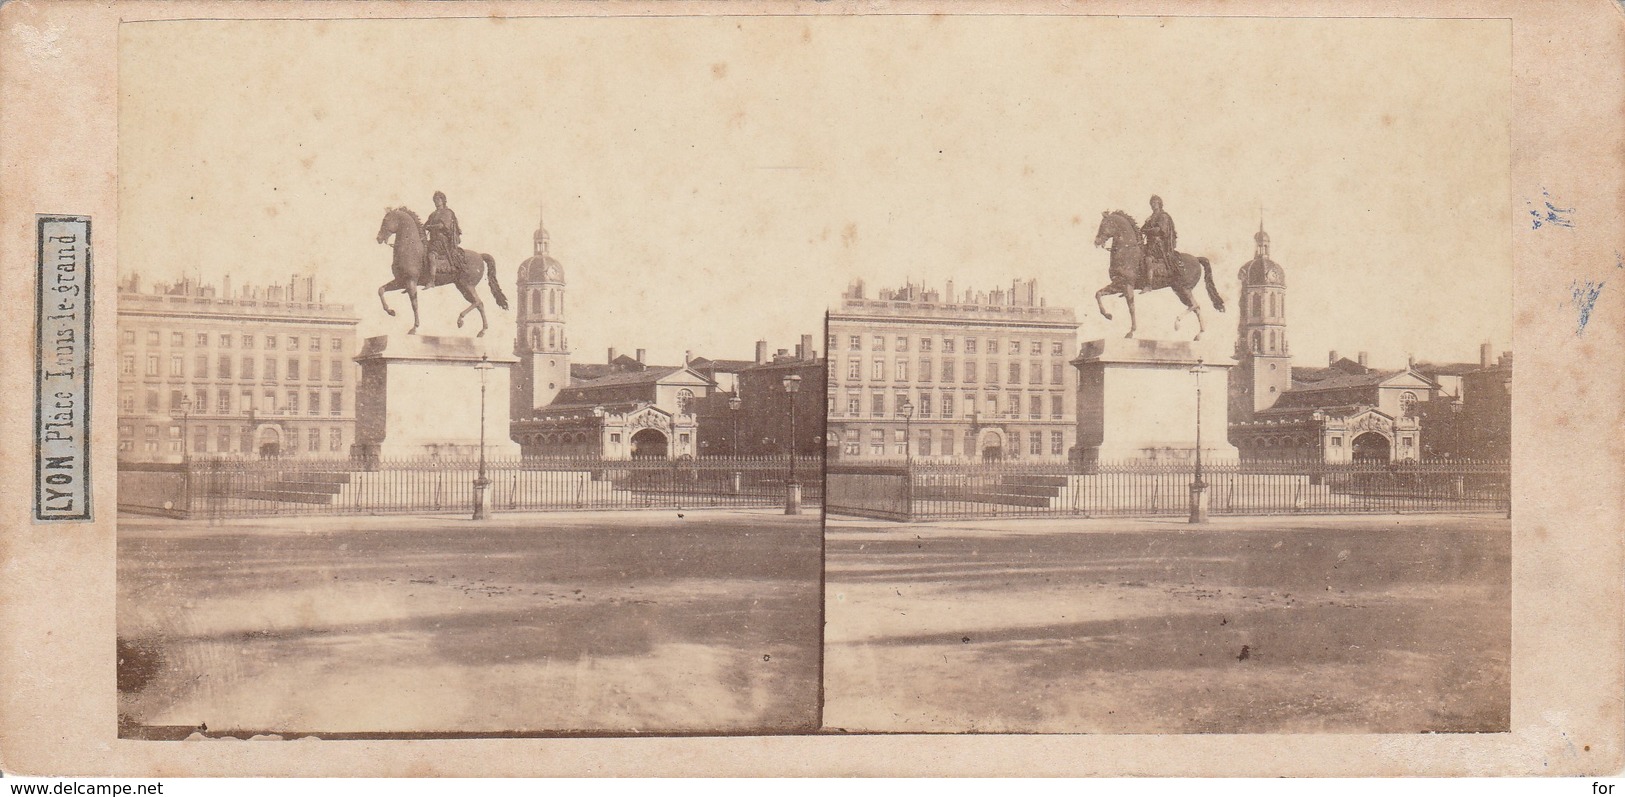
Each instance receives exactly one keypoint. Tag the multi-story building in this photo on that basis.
(982, 375)
(263, 371)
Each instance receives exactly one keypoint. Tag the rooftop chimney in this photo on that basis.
(611, 354)
(806, 351)
(761, 352)
(1410, 361)
(1331, 357)
(688, 354)
(641, 353)
(1362, 360)
(1484, 355)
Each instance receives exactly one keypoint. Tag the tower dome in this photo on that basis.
(1261, 270)
(540, 266)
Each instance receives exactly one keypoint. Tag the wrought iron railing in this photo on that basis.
(927, 491)
(229, 487)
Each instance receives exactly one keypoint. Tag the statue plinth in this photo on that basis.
(420, 397)
(1137, 401)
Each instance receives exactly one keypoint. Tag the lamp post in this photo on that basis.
(734, 403)
(481, 483)
(186, 452)
(792, 497)
(907, 411)
(1198, 486)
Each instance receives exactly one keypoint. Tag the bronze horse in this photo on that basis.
(1130, 272)
(412, 262)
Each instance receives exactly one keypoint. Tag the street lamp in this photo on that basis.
(734, 403)
(186, 451)
(480, 481)
(1198, 486)
(792, 498)
(907, 411)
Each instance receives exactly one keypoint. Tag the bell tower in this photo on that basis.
(541, 345)
(1264, 359)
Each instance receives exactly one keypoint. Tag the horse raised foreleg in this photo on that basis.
(1106, 291)
(392, 285)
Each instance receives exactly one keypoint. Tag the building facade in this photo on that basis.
(628, 410)
(208, 372)
(540, 342)
(984, 373)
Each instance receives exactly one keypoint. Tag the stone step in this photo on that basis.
(288, 496)
(1009, 500)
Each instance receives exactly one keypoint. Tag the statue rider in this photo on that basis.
(444, 233)
(1160, 237)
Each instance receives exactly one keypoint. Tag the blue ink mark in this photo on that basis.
(1584, 298)
(1553, 214)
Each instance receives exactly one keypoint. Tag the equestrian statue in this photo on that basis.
(1144, 259)
(429, 256)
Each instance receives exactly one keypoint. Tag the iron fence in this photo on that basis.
(937, 491)
(221, 487)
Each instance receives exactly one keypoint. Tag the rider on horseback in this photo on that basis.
(444, 235)
(1159, 237)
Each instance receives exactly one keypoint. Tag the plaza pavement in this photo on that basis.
(600, 622)
(1260, 624)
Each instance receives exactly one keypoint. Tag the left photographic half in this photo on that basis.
(444, 412)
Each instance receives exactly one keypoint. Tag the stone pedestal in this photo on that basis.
(1137, 401)
(420, 397)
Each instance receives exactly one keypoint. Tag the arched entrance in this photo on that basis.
(1371, 447)
(649, 443)
(268, 441)
(992, 447)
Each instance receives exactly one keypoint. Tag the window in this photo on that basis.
(335, 402)
(1035, 409)
(127, 338)
(832, 375)
(947, 405)
(970, 345)
(225, 340)
(335, 439)
(854, 343)
(150, 446)
(947, 442)
(293, 369)
(270, 370)
(1015, 373)
(152, 401)
(152, 365)
(248, 341)
(1407, 404)
(313, 405)
(900, 372)
(270, 341)
(970, 405)
(878, 344)
(1035, 443)
(293, 402)
(126, 403)
(902, 343)
(1037, 347)
(335, 371)
(1035, 373)
(925, 370)
(947, 345)
(246, 441)
(1057, 443)
(174, 432)
(829, 345)
(269, 405)
(248, 367)
(877, 442)
(202, 339)
(177, 338)
(247, 406)
(313, 440)
(992, 346)
(970, 370)
(877, 404)
(200, 401)
(899, 443)
(315, 345)
(613, 438)
(1012, 405)
(947, 370)
(1407, 441)
(126, 365)
(223, 404)
(314, 370)
(854, 369)
(1057, 349)
(126, 430)
(222, 440)
(854, 404)
(1337, 442)
(1015, 347)
(293, 343)
(152, 338)
(852, 447)
(1055, 407)
(224, 371)
(335, 344)
(200, 367)
(925, 344)
(992, 405)
(897, 403)
(877, 370)
(992, 372)
(685, 401)
(150, 430)
(200, 439)
(1055, 372)
(923, 440)
(925, 405)
(176, 368)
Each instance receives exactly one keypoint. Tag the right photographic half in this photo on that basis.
(1191, 410)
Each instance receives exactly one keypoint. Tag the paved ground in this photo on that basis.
(1339, 624)
(600, 622)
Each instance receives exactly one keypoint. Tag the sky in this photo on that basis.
(707, 182)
